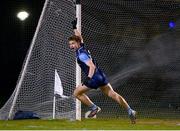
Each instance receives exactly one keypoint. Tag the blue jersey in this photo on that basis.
(99, 78)
(83, 55)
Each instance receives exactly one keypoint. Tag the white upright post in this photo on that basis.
(18, 86)
(78, 70)
(54, 106)
(54, 98)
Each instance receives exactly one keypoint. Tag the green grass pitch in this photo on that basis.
(92, 124)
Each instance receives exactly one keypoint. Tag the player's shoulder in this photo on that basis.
(84, 53)
(83, 50)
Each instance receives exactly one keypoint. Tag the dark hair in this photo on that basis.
(75, 38)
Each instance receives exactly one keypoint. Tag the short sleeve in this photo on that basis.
(84, 57)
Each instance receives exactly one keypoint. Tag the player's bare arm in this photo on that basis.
(92, 68)
(76, 32)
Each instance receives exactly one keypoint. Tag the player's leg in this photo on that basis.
(79, 93)
(108, 90)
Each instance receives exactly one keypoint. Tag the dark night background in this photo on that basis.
(15, 39)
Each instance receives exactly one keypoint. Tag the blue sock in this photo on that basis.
(129, 110)
(93, 107)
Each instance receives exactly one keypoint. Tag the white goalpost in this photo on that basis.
(78, 70)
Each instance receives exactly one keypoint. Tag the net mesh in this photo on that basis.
(50, 52)
(132, 43)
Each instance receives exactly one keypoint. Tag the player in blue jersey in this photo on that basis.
(95, 77)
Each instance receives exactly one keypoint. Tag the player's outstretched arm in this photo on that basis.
(76, 32)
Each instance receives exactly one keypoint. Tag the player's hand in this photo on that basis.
(74, 23)
(87, 81)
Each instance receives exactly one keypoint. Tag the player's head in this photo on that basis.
(74, 42)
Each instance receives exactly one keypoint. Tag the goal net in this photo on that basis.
(48, 53)
(135, 42)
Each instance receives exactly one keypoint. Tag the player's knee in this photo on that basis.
(76, 92)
